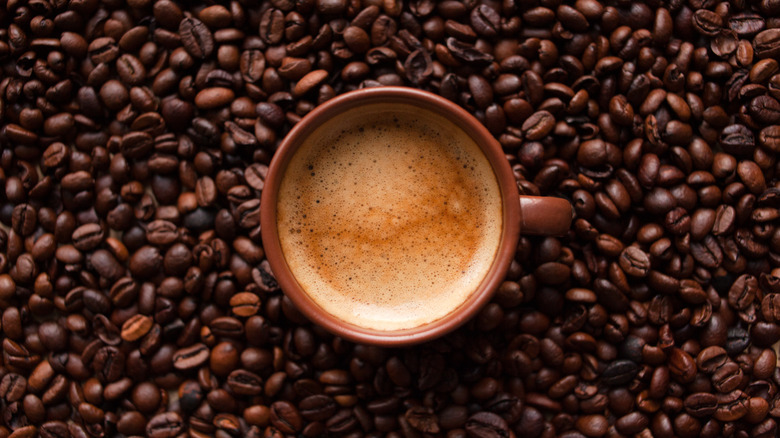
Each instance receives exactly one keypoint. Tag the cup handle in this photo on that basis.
(545, 216)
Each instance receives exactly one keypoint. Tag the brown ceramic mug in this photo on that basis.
(390, 215)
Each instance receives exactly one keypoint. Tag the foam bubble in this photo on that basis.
(398, 224)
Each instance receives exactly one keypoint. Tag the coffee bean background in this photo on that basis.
(135, 295)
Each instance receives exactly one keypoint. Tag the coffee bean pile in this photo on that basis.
(135, 295)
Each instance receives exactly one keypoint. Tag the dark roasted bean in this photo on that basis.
(196, 38)
(486, 424)
(166, 424)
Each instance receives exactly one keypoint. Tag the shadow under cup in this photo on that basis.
(288, 189)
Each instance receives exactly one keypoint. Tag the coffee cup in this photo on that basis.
(390, 216)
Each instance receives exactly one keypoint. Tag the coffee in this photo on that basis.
(389, 216)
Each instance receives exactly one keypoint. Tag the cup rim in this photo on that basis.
(426, 101)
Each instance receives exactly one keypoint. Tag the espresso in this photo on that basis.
(389, 216)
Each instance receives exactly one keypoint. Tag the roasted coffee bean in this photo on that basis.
(767, 43)
(214, 97)
(485, 21)
(737, 140)
(707, 252)
(103, 50)
(245, 304)
(633, 422)
(88, 236)
(743, 292)
(769, 137)
(196, 38)
(106, 265)
(166, 424)
(619, 372)
(272, 26)
(286, 417)
(702, 223)
(12, 387)
(190, 357)
(422, 419)
(136, 327)
(243, 382)
(727, 377)
(538, 125)
(701, 404)
(161, 233)
(226, 326)
(54, 429)
(24, 219)
(485, 424)
(681, 365)
(725, 217)
(145, 262)
(634, 261)
(746, 23)
(731, 406)
(707, 22)
(751, 176)
(737, 340)
(136, 144)
(318, 407)
(770, 307)
(130, 69)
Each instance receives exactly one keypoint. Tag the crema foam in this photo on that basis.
(389, 216)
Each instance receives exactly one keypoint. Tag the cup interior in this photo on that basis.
(426, 103)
